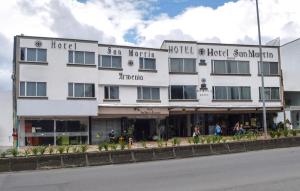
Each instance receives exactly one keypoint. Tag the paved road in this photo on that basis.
(272, 170)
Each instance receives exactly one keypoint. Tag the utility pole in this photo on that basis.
(262, 74)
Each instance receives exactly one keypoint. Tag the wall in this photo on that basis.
(6, 118)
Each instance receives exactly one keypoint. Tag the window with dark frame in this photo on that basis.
(107, 61)
(33, 89)
(183, 92)
(147, 63)
(271, 93)
(230, 67)
(231, 93)
(148, 93)
(182, 65)
(33, 55)
(111, 92)
(269, 68)
(81, 57)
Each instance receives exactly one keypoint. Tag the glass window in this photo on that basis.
(114, 92)
(31, 89)
(233, 93)
(273, 68)
(189, 65)
(89, 90)
(70, 89)
(149, 64)
(141, 63)
(22, 88)
(31, 54)
(232, 67)
(89, 58)
(106, 61)
(275, 93)
(155, 94)
(22, 56)
(79, 90)
(243, 67)
(146, 93)
(176, 65)
(245, 93)
(220, 92)
(219, 67)
(41, 55)
(139, 92)
(177, 92)
(79, 57)
(71, 54)
(190, 92)
(116, 61)
(106, 92)
(41, 89)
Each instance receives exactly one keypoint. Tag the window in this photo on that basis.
(147, 64)
(33, 55)
(81, 90)
(231, 93)
(269, 68)
(111, 92)
(183, 92)
(148, 93)
(81, 57)
(110, 62)
(33, 89)
(183, 65)
(271, 93)
(230, 67)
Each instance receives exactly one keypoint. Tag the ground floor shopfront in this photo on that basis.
(140, 123)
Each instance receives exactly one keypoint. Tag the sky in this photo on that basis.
(144, 22)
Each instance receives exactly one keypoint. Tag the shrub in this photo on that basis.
(278, 133)
(144, 144)
(175, 141)
(237, 137)
(14, 152)
(286, 132)
(113, 146)
(196, 139)
(100, 147)
(190, 140)
(122, 144)
(61, 149)
(3, 154)
(27, 152)
(67, 149)
(272, 134)
(105, 146)
(50, 150)
(208, 140)
(42, 150)
(75, 149)
(294, 132)
(83, 148)
(202, 140)
(159, 143)
(35, 150)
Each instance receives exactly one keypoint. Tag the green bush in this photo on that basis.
(278, 133)
(42, 150)
(286, 132)
(122, 144)
(14, 152)
(3, 154)
(35, 150)
(190, 140)
(67, 149)
(159, 143)
(100, 147)
(208, 139)
(105, 146)
(202, 140)
(83, 148)
(113, 146)
(61, 149)
(175, 141)
(75, 149)
(27, 152)
(196, 139)
(294, 132)
(273, 134)
(50, 150)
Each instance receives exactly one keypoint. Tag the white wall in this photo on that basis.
(6, 119)
(290, 58)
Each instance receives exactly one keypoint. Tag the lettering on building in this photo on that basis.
(130, 77)
(251, 54)
(181, 50)
(143, 53)
(114, 51)
(63, 45)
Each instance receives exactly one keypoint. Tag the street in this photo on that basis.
(260, 171)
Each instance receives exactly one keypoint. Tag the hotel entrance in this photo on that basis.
(143, 129)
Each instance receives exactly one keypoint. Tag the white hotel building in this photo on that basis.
(69, 91)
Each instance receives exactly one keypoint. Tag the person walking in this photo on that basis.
(218, 130)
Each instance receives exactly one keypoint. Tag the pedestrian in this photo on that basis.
(218, 130)
(196, 132)
(236, 128)
(111, 136)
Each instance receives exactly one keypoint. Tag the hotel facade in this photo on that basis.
(71, 91)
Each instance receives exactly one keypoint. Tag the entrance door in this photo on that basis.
(142, 129)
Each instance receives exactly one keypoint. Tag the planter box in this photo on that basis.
(219, 148)
(254, 145)
(163, 153)
(22, 163)
(270, 144)
(142, 155)
(202, 150)
(101, 158)
(121, 157)
(183, 151)
(74, 160)
(49, 162)
(236, 147)
(4, 165)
